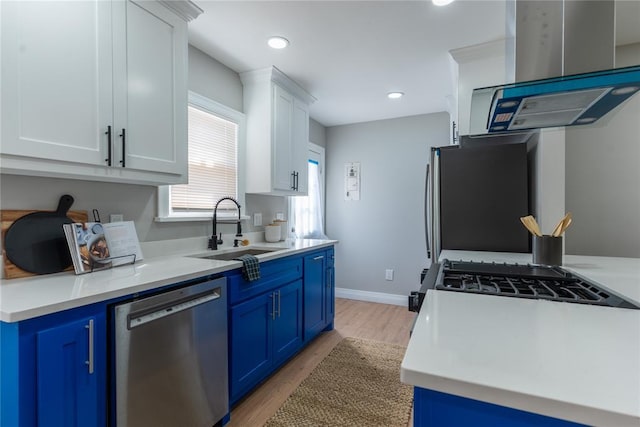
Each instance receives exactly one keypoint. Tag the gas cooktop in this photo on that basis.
(522, 281)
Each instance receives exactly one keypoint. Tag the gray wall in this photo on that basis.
(214, 80)
(603, 178)
(317, 133)
(138, 202)
(385, 228)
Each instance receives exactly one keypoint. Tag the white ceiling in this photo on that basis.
(349, 54)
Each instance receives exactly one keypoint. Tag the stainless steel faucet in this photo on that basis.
(214, 241)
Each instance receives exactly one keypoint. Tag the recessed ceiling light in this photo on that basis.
(395, 95)
(278, 42)
(441, 2)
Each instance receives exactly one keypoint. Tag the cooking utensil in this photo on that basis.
(531, 224)
(562, 225)
(535, 225)
(34, 241)
(565, 225)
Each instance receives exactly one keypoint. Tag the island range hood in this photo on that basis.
(565, 51)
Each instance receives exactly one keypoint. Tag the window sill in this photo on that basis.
(201, 218)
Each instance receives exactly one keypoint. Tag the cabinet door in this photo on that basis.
(287, 327)
(250, 343)
(56, 80)
(150, 88)
(300, 146)
(314, 295)
(282, 139)
(330, 296)
(70, 366)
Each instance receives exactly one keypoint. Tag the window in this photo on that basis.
(215, 155)
(307, 212)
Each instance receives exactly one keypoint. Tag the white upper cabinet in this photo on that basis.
(299, 151)
(56, 80)
(95, 90)
(277, 111)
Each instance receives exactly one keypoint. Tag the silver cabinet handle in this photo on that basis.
(318, 258)
(273, 305)
(279, 302)
(90, 361)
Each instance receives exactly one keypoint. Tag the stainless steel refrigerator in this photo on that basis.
(475, 196)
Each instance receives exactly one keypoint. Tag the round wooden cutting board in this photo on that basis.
(34, 241)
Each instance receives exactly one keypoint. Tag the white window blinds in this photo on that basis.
(213, 160)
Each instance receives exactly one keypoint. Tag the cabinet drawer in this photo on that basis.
(272, 275)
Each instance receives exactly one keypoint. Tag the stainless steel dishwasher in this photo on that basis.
(171, 358)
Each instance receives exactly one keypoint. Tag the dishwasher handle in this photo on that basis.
(143, 317)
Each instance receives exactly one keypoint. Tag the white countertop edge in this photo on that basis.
(198, 267)
(17, 316)
(513, 399)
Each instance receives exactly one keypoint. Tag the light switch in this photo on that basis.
(257, 219)
(116, 218)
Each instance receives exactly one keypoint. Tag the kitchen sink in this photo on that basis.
(228, 256)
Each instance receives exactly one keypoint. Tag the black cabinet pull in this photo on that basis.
(297, 176)
(108, 133)
(293, 181)
(124, 153)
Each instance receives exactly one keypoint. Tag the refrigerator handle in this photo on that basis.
(427, 223)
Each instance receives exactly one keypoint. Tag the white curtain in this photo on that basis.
(306, 212)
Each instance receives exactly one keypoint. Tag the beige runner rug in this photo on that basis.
(357, 384)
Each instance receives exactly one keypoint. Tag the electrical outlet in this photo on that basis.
(116, 218)
(257, 219)
(388, 274)
(280, 216)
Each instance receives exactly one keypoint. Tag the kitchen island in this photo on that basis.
(528, 362)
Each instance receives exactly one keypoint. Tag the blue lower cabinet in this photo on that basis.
(319, 293)
(287, 324)
(315, 312)
(264, 332)
(250, 347)
(330, 295)
(70, 363)
(433, 408)
(53, 370)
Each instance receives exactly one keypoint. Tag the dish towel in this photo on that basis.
(250, 267)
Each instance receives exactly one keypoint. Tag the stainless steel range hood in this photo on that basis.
(565, 51)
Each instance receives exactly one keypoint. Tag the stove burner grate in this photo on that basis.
(524, 281)
(558, 290)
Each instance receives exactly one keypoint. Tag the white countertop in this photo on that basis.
(570, 361)
(26, 298)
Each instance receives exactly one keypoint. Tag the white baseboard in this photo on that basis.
(378, 297)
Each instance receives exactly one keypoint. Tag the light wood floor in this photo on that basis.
(380, 322)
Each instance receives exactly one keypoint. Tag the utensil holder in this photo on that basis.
(547, 250)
